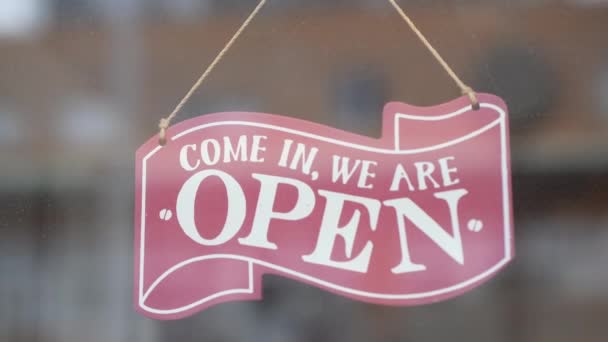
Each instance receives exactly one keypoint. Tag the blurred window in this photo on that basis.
(90, 122)
(20, 18)
(523, 78)
(602, 91)
(12, 128)
(69, 11)
(359, 97)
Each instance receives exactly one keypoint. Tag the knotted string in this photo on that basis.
(166, 122)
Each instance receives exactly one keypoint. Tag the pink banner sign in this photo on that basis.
(417, 216)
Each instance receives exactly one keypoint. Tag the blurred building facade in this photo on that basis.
(84, 83)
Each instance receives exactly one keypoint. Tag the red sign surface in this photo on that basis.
(418, 216)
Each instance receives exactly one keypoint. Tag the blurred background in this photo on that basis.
(84, 82)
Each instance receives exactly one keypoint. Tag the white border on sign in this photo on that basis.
(396, 151)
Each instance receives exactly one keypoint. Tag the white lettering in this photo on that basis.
(264, 213)
(341, 169)
(425, 171)
(205, 152)
(366, 174)
(240, 154)
(256, 148)
(331, 229)
(301, 157)
(450, 244)
(401, 174)
(285, 153)
(446, 172)
(183, 158)
(235, 215)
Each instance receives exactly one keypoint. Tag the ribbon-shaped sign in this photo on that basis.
(418, 216)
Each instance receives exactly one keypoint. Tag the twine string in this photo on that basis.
(166, 122)
(464, 89)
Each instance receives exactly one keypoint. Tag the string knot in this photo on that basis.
(468, 91)
(163, 125)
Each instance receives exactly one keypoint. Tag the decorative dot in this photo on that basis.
(166, 214)
(475, 225)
